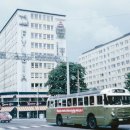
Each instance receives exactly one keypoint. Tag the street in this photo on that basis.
(39, 124)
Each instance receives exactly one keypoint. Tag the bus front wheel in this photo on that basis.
(59, 120)
(92, 124)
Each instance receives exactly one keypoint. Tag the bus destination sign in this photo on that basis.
(118, 91)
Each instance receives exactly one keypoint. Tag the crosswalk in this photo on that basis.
(23, 127)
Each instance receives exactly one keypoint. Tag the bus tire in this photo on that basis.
(91, 121)
(59, 120)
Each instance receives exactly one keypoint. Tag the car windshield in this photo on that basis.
(118, 100)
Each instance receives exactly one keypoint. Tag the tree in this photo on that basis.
(57, 79)
(127, 81)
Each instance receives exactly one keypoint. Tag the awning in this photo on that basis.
(24, 108)
(6, 109)
(31, 108)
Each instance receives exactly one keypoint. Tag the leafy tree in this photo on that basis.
(57, 79)
(127, 81)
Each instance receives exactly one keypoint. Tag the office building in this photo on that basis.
(107, 64)
(40, 35)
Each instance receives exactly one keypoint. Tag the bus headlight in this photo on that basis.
(112, 114)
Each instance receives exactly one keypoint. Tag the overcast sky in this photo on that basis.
(89, 22)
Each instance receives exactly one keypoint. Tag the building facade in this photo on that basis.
(38, 34)
(107, 64)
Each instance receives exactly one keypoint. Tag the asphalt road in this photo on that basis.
(39, 124)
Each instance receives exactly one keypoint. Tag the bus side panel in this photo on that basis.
(97, 111)
(51, 115)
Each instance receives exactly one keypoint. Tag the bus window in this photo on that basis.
(85, 101)
(74, 101)
(64, 102)
(69, 103)
(99, 100)
(55, 103)
(51, 103)
(59, 102)
(91, 100)
(80, 101)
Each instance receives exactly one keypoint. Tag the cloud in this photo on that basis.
(88, 31)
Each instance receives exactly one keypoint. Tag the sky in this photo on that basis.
(88, 22)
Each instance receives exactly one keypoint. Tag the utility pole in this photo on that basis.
(68, 79)
(78, 81)
(18, 106)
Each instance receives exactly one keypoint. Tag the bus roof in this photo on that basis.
(89, 92)
(109, 91)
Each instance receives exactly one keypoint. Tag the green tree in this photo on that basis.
(127, 81)
(57, 79)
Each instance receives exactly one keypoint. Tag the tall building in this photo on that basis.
(29, 32)
(22, 81)
(107, 64)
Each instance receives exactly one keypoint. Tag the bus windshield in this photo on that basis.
(118, 100)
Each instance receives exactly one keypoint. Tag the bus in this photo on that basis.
(94, 108)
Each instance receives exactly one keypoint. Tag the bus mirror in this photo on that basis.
(105, 100)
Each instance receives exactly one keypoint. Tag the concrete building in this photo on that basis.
(38, 34)
(107, 64)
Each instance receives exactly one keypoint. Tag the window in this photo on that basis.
(36, 45)
(91, 100)
(40, 65)
(69, 103)
(32, 85)
(59, 103)
(55, 103)
(63, 102)
(51, 103)
(74, 101)
(32, 75)
(36, 85)
(36, 75)
(32, 65)
(80, 101)
(44, 36)
(99, 100)
(48, 27)
(36, 65)
(85, 101)
(48, 36)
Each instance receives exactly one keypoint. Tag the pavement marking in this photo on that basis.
(12, 128)
(35, 126)
(46, 125)
(24, 127)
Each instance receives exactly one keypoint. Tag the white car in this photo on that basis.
(5, 117)
(9, 116)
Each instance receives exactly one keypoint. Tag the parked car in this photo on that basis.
(9, 115)
(5, 117)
